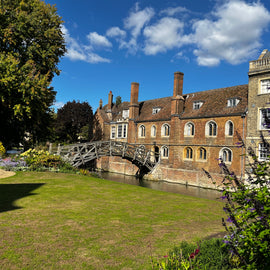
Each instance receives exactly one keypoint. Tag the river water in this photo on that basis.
(163, 186)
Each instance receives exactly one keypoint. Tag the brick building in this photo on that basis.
(190, 131)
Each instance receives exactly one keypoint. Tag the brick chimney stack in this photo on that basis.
(100, 104)
(177, 103)
(134, 104)
(110, 100)
(134, 93)
(178, 84)
(133, 112)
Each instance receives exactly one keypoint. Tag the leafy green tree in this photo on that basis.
(118, 100)
(31, 45)
(74, 120)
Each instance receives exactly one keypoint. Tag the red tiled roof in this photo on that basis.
(214, 104)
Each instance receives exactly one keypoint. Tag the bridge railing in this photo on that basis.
(81, 153)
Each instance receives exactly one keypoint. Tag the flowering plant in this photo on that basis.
(248, 213)
(208, 254)
(41, 159)
(2, 149)
(11, 164)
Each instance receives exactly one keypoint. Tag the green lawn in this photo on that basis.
(68, 221)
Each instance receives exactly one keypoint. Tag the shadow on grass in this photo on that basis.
(9, 193)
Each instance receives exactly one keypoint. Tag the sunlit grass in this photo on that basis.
(78, 222)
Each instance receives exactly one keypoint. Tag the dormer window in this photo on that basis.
(197, 105)
(265, 86)
(155, 110)
(125, 114)
(232, 102)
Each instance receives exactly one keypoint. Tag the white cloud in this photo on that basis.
(97, 40)
(172, 11)
(164, 35)
(94, 58)
(115, 32)
(233, 36)
(79, 52)
(58, 104)
(135, 22)
(231, 33)
(181, 55)
(74, 51)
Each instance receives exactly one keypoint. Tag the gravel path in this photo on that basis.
(4, 174)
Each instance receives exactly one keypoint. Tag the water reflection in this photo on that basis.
(164, 186)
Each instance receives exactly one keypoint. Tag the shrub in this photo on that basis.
(2, 149)
(248, 210)
(41, 160)
(11, 164)
(209, 254)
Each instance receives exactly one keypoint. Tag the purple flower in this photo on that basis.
(229, 220)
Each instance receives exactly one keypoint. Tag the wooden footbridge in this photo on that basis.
(80, 154)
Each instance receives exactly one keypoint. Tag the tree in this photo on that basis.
(74, 120)
(31, 45)
(118, 100)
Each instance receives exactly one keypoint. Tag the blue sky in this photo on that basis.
(113, 43)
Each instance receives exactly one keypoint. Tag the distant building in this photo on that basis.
(192, 131)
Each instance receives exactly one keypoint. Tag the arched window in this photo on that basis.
(211, 129)
(225, 154)
(202, 153)
(229, 128)
(188, 153)
(165, 130)
(141, 131)
(165, 152)
(153, 131)
(189, 129)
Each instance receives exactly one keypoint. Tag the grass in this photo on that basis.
(67, 221)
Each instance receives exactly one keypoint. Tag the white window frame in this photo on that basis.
(113, 132)
(188, 153)
(262, 118)
(125, 114)
(165, 152)
(202, 154)
(197, 105)
(232, 102)
(142, 131)
(263, 152)
(155, 110)
(265, 86)
(226, 155)
(229, 128)
(209, 131)
(122, 131)
(165, 130)
(153, 131)
(125, 131)
(189, 129)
